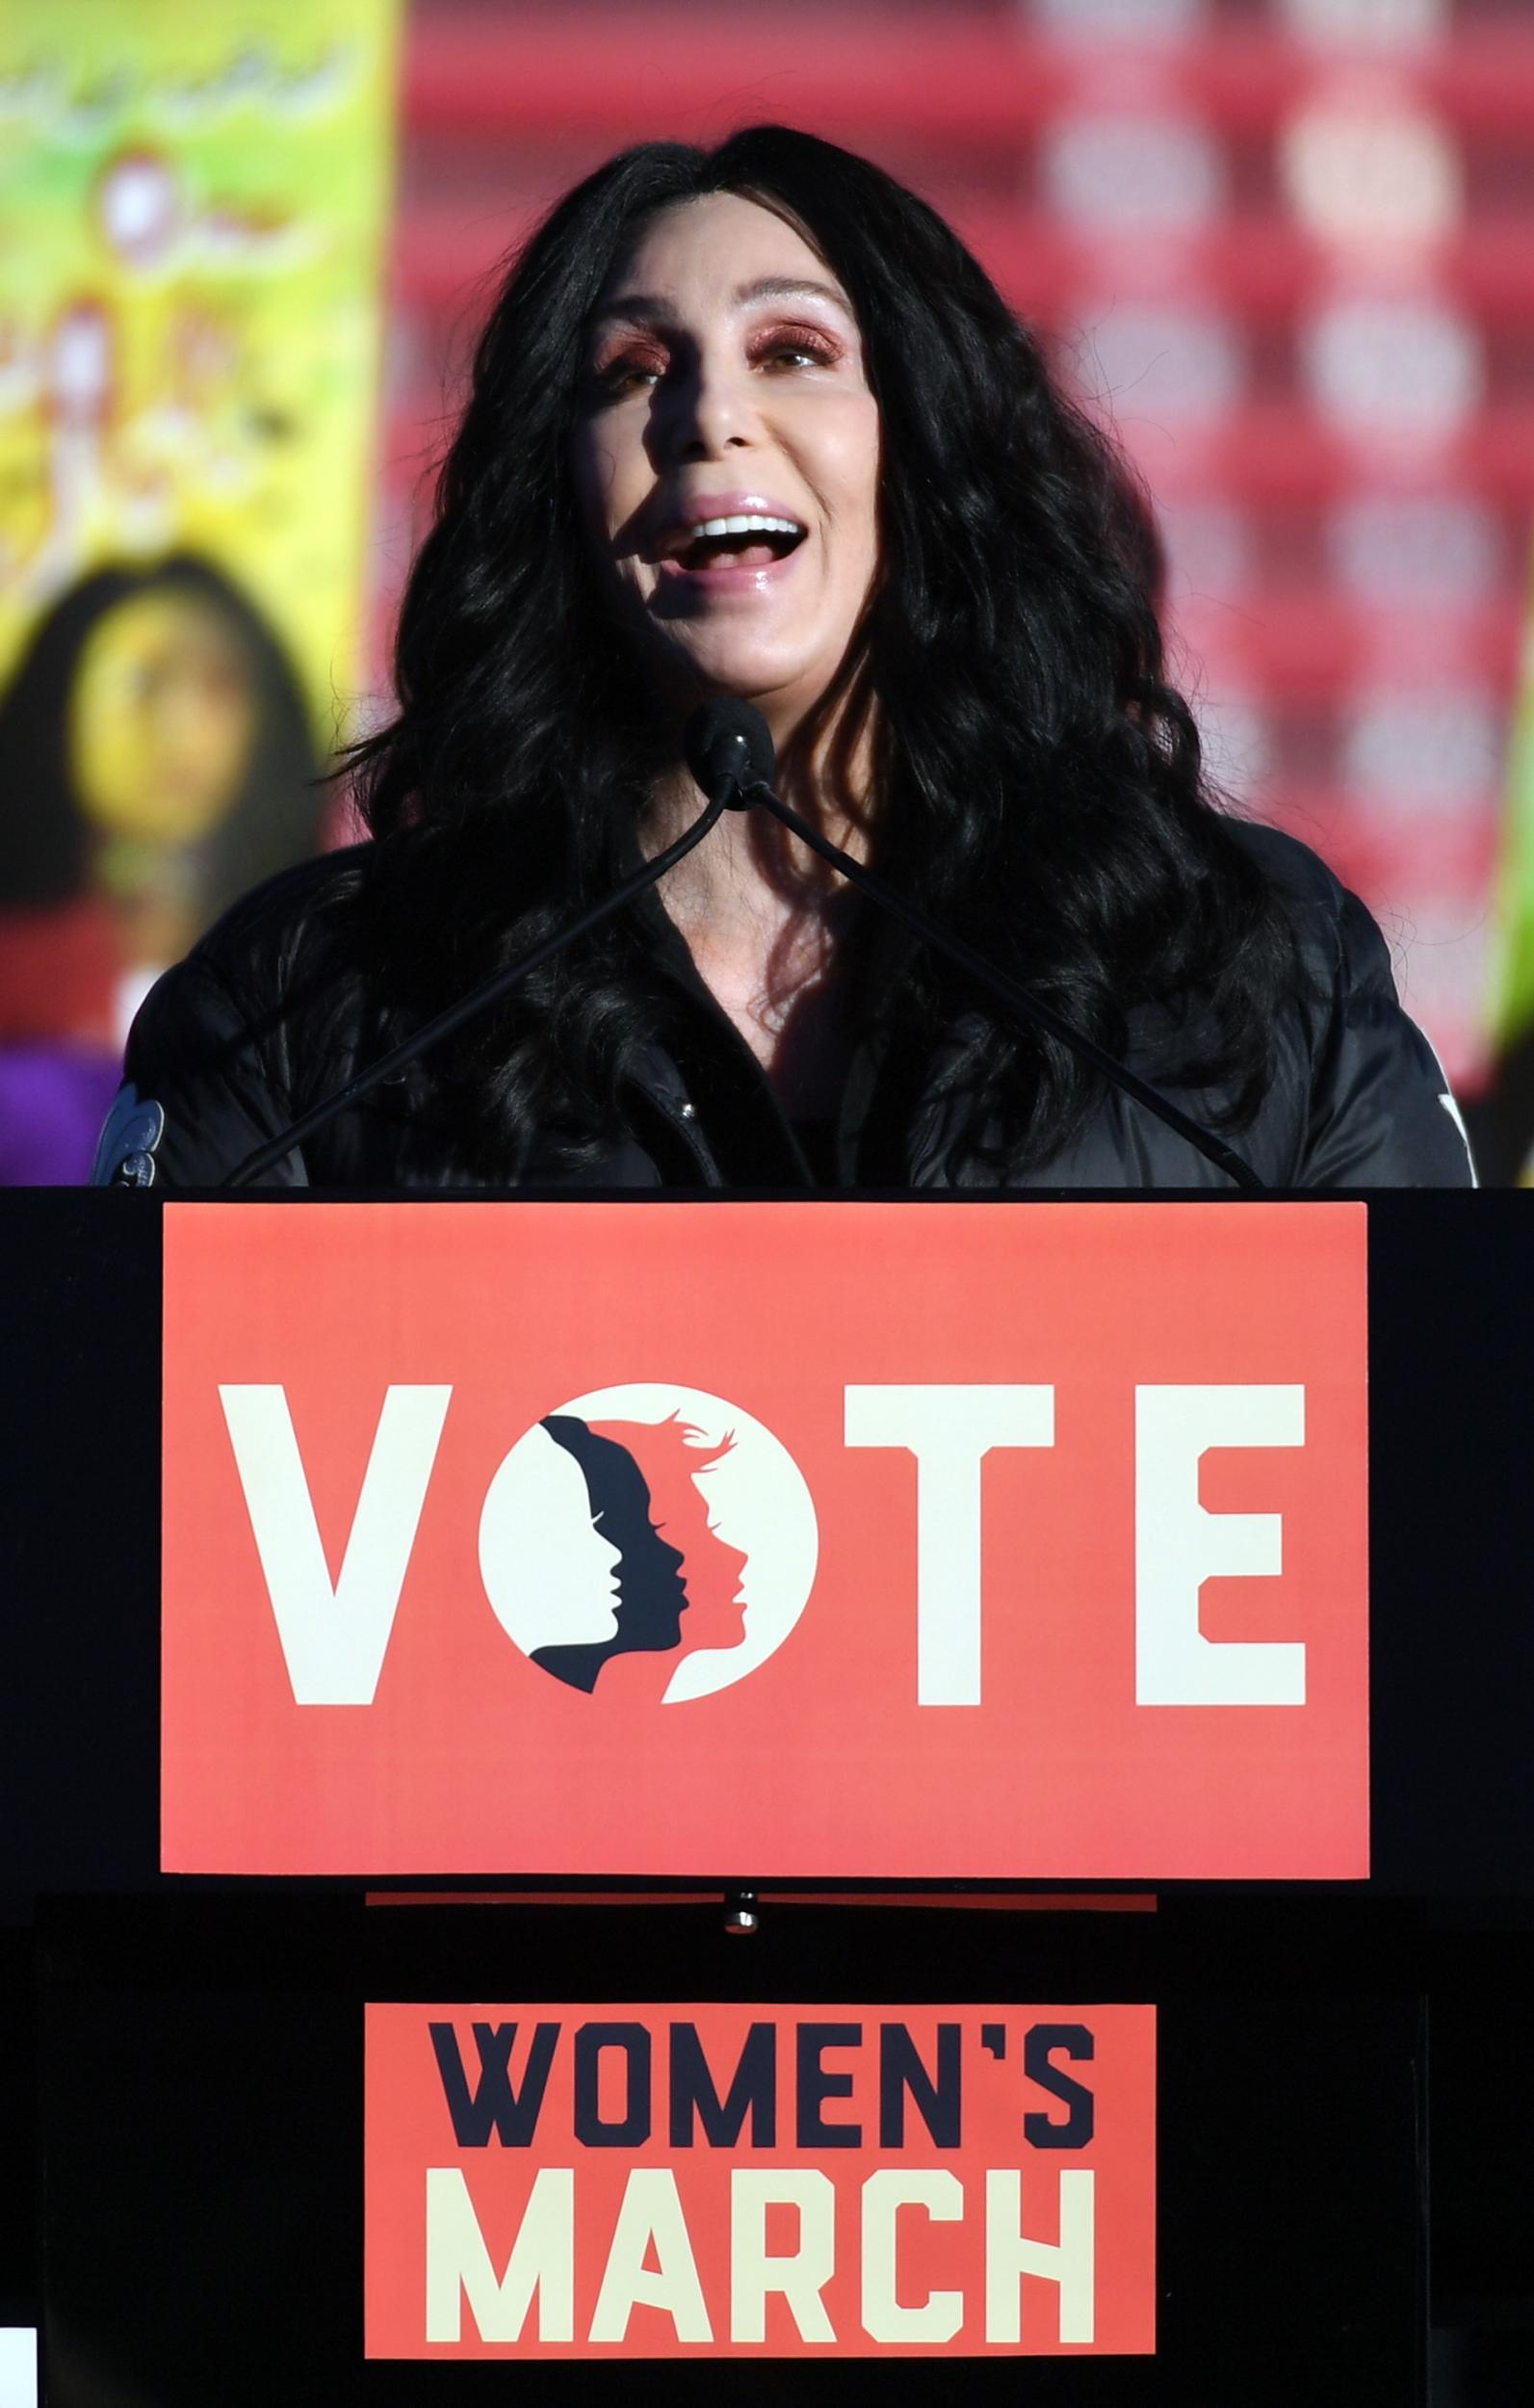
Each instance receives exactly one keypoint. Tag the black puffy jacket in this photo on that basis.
(271, 1011)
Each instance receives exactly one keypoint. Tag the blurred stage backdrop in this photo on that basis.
(193, 208)
(1285, 246)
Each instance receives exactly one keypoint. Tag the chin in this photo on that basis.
(756, 676)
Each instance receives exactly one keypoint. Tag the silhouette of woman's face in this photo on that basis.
(550, 1574)
(676, 1473)
(715, 1573)
(162, 720)
(651, 1596)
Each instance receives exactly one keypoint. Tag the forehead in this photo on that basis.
(150, 624)
(712, 254)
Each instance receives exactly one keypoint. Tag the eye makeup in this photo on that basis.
(625, 354)
(821, 346)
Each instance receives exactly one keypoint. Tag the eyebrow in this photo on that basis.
(640, 305)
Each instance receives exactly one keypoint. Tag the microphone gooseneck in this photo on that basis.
(756, 743)
(729, 750)
(479, 999)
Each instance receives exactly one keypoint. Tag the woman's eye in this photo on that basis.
(799, 350)
(634, 371)
(624, 375)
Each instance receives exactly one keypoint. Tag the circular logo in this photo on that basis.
(650, 1538)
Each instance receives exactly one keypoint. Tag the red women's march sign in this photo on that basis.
(818, 1539)
(661, 2182)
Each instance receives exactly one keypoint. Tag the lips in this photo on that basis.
(692, 511)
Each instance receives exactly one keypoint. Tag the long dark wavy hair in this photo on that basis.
(1039, 779)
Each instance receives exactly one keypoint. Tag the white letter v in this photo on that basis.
(335, 1638)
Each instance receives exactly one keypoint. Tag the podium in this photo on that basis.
(237, 1848)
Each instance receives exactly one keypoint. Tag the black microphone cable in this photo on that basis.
(409, 1048)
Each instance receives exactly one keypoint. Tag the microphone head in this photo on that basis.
(726, 743)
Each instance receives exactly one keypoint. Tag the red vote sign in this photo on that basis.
(665, 2182)
(843, 1539)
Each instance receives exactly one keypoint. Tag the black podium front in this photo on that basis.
(199, 2054)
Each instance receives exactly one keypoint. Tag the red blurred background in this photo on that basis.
(1285, 246)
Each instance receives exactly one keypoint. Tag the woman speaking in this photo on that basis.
(752, 424)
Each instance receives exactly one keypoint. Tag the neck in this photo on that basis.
(750, 873)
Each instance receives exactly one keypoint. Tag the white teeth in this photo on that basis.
(744, 527)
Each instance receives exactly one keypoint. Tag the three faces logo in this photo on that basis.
(649, 1540)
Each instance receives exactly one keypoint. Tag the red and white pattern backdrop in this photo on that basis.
(1285, 246)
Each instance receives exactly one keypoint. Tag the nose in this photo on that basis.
(711, 411)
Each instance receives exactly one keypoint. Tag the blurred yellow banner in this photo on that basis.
(193, 206)
(193, 209)
(1513, 1002)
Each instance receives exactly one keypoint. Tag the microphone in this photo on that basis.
(728, 745)
(730, 738)
(723, 761)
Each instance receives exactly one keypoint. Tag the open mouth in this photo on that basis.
(754, 550)
(752, 541)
